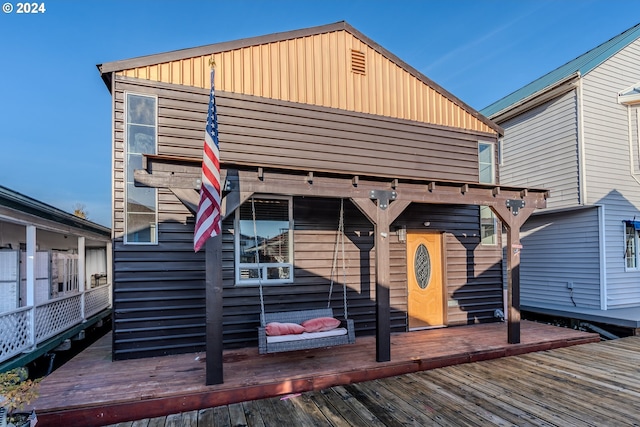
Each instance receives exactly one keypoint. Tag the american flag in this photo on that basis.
(208, 216)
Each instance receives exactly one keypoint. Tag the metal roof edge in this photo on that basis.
(584, 64)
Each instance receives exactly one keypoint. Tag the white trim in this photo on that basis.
(493, 161)
(582, 169)
(154, 236)
(236, 242)
(602, 249)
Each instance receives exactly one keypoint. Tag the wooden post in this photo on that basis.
(213, 298)
(382, 216)
(82, 283)
(513, 219)
(513, 285)
(383, 280)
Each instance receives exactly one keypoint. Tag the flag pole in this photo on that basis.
(213, 296)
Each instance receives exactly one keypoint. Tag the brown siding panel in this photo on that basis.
(159, 289)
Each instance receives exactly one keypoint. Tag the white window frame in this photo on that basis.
(495, 227)
(264, 266)
(154, 232)
(626, 227)
(492, 146)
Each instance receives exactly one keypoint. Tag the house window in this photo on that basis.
(264, 241)
(141, 211)
(488, 225)
(486, 168)
(486, 163)
(631, 245)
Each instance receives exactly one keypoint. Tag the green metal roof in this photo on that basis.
(582, 64)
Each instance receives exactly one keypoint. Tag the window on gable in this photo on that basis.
(631, 246)
(264, 241)
(141, 212)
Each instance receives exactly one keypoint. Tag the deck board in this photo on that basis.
(93, 390)
(548, 388)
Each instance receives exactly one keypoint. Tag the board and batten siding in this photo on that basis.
(540, 149)
(609, 168)
(318, 70)
(561, 250)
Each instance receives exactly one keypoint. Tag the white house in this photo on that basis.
(575, 132)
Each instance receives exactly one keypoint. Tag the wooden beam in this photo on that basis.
(189, 198)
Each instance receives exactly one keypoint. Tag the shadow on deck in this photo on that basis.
(92, 390)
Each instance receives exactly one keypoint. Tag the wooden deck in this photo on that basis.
(594, 384)
(92, 390)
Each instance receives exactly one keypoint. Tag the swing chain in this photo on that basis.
(339, 244)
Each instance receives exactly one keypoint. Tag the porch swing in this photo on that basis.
(344, 334)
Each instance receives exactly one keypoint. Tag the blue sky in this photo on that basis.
(55, 111)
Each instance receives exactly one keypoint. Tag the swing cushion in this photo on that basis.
(320, 324)
(277, 328)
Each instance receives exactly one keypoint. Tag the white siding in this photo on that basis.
(558, 249)
(540, 150)
(609, 167)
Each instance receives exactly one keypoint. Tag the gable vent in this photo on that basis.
(358, 64)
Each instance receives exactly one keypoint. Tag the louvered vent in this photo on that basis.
(358, 64)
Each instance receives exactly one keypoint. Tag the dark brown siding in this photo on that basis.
(159, 289)
(473, 271)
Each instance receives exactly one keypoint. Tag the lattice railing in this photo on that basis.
(14, 332)
(51, 318)
(96, 300)
(57, 316)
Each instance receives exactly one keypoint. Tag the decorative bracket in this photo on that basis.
(383, 197)
(514, 205)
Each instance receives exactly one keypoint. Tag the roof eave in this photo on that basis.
(558, 88)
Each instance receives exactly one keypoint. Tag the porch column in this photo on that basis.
(513, 215)
(213, 300)
(110, 271)
(382, 215)
(81, 276)
(31, 281)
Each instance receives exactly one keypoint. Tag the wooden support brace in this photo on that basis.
(495, 191)
(464, 189)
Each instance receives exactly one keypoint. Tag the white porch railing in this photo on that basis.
(51, 318)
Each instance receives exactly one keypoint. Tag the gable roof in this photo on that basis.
(255, 65)
(578, 67)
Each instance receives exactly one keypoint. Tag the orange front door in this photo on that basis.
(424, 279)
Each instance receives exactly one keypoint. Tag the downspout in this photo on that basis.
(582, 173)
(603, 256)
(629, 133)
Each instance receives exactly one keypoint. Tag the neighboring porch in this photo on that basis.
(55, 277)
(93, 390)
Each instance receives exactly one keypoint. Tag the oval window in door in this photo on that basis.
(422, 266)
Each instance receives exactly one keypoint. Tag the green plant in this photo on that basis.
(16, 390)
